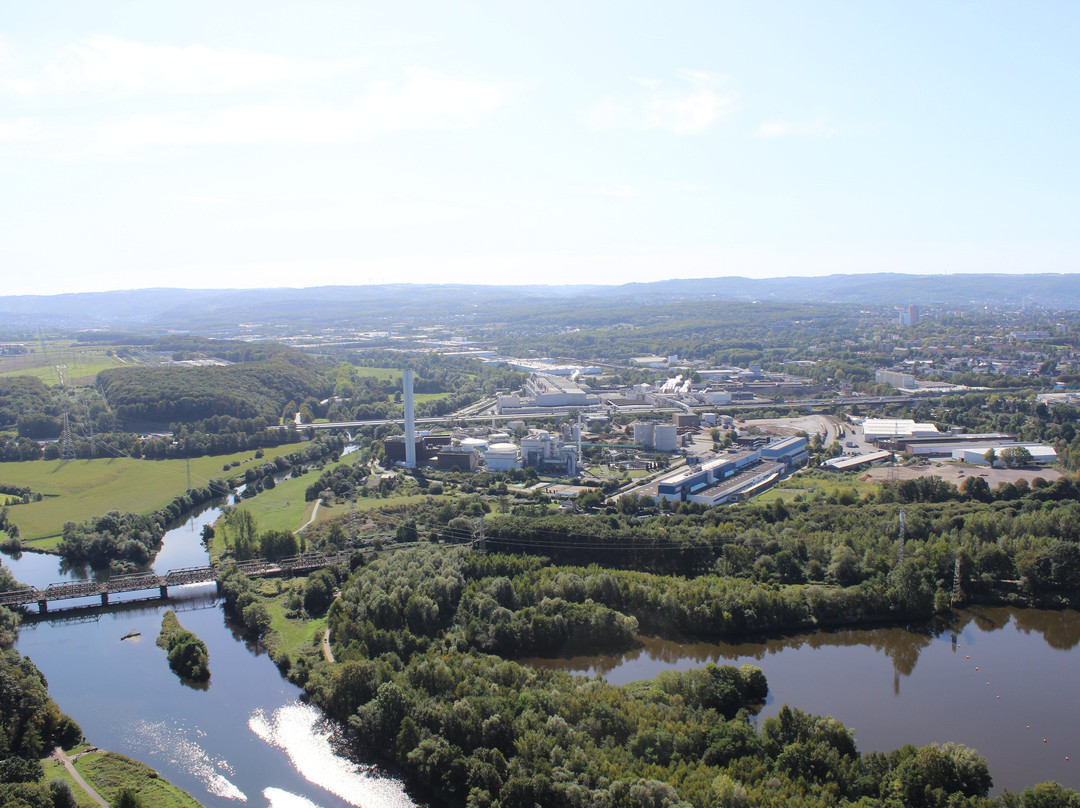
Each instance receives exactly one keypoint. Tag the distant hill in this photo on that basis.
(206, 310)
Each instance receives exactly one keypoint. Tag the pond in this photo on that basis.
(1003, 681)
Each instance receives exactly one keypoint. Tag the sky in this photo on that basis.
(234, 144)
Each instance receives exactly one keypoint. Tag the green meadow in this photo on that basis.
(76, 490)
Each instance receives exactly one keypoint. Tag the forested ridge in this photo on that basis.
(164, 395)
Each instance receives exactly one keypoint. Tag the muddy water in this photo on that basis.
(981, 681)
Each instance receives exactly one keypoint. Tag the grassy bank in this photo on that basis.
(77, 490)
(55, 770)
(108, 773)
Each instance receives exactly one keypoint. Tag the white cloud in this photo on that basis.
(115, 66)
(689, 107)
(423, 100)
(818, 127)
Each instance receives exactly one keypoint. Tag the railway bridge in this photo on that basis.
(149, 581)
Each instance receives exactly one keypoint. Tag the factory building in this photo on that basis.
(543, 390)
(895, 429)
(656, 437)
(716, 398)
(546, 452)
(456, 458)
(855, 461)
(732, 477)
(1040, 455)
(686, 420)
(945, 445)
(425, 448)
(789, 451)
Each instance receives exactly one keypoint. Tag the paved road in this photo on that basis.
(58, 754)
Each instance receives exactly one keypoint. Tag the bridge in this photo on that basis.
(144, 581)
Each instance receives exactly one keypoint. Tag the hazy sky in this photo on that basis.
(226, 143)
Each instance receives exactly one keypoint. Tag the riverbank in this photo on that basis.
(106, 774)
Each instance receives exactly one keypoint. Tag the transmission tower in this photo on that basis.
(67, 442)
(957, 594)
(67, 445)
(903, 521)
(88, 424)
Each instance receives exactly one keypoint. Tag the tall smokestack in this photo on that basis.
(410, 426)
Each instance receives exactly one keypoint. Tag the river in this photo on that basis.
(246, 738)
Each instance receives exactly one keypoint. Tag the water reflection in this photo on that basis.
(303, 734)
(1059, 629)
(284, 799)
(179, 744)
(901, 646)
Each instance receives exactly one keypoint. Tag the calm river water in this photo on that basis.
(245, 738)
(999, 680)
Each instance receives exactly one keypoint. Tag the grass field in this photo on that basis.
(284, 508)
(393, 374)
(76, 490)
(815, 484)
(288, 634)
(108, 773)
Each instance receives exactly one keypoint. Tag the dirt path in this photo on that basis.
(58, 754)
(327, 653)
(314, 514)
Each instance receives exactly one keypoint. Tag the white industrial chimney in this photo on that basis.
(410, 426)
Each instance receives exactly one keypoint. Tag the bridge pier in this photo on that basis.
(42, 606)
(164, 590)
(104, 598)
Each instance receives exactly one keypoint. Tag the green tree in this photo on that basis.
(1013, 456)
(127, 798)
(62, 795)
